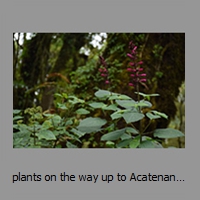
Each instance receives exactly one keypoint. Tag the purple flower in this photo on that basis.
(143, 80)
(103, 70)
(107, 82)
(104, 75)
(135, 68)
(102, 60)
(129, 69)
(130, 55)
(131, 84)
(132, 64)
(141, 74)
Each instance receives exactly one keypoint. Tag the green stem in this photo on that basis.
(140, 126)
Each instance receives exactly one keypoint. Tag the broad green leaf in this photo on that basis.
(114, 135)
(116, 115)
(143, 104)
(110, 144)
(38, 116)
(160, 113)
(75, 100)
(119, 97)
(58, 95)
(77, 132)
(150, 144)
(69, 122)
(17, 117)
(97, 105)
(135, 142)
(146, 95)
(74, 136)
(167, 133)
(125, 136)
(56, 119)
(65, 95)
(102, 94)
(70, 145)
(62, 106)
(22, 134)
(48, 115)
(124, 143)
(15, 112)
(47, 124)
(91, 124)
(82, 111)
(126, 103)
(151, 116)
(46, 134)
(23, 128)
(130, 117)
(131, 130)
(58, 132)
(111, 107)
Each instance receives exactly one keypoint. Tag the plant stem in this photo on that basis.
(140, 126)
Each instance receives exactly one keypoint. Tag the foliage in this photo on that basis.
(52, 130)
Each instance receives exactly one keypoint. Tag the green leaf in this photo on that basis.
(17, 117)
(77, 132)
(116, 115)
(168, 133)
(125, 136)
(111, 107)
(124, 143)
(70, 145)
(131, 130)
(61, 106)
(75, 100)
(144, 104)
(102, 94)
(65, 95)
(97, 105)
(15, 112)
(56, 120)
(135, 142)
(46, 134)
(110, 144)
(151, 116)
(119, 97)
(82, 111)
(160, 113)
(126, 103)
(91, 124)
(150, 144)
(114, 135)
(146, 95)
(130, 117)
(48, 115)
(47, 124)
(58, 95)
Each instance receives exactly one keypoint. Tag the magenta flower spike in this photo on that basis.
(132, 64)
(129, 69)
(103, 70)
(135, 68)
(130, 55)
(131, 84)
(107, 82)
(141, 74)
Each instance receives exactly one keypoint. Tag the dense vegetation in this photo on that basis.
(98, 90)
